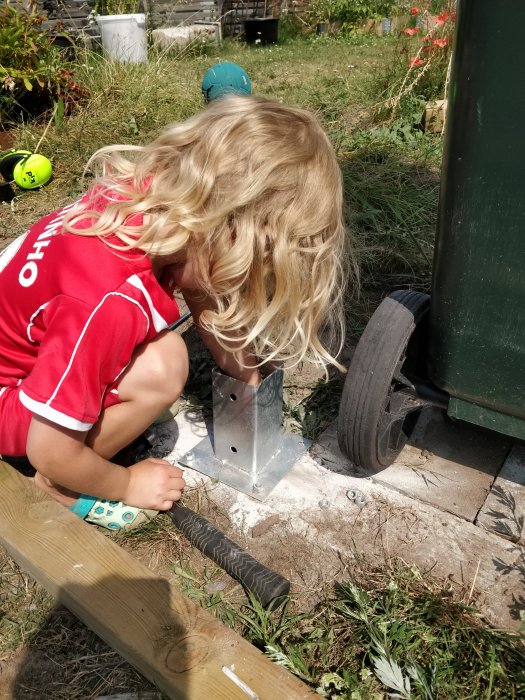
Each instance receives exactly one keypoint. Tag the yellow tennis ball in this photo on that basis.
(32, 172)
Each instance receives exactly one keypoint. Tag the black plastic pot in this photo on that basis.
(261, 30)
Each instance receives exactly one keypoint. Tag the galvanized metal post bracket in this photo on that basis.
(248, 448)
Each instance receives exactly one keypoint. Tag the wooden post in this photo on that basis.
(177, 645)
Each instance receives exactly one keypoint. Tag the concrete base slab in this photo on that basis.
(318, 530)
(449, 465)
(504, 510)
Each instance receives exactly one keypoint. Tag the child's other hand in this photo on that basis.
(153, 483)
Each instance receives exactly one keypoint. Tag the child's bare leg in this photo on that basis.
(153, 381)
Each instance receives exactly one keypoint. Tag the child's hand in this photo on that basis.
(153, 483)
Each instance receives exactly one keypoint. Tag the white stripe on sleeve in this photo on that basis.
(45, 411)
(32, 321)
(158, 322)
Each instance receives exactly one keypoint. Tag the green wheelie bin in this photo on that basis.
(463, 347)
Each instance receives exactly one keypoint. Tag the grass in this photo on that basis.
(389, 630)
(398, 629)
(45, 650)
(391, 187)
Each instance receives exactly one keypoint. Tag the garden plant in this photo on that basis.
(34, 73)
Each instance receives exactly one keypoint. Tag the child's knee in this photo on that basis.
(160, 371)
(171, 366)
(168, 366)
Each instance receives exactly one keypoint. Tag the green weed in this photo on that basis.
(394, 632)
(420, 643)
(313, 413)
(208, 588)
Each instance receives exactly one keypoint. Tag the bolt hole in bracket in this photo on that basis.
(248, 448)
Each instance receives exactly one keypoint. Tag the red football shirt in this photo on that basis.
(72, 312)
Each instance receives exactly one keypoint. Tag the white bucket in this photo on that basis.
(124, 37)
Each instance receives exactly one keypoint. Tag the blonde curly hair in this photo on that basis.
(252, 190)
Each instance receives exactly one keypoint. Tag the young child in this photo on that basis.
(239, 207)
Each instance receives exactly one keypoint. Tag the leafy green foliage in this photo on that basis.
(208, 590)
(397, 632)
(421, 644)
(350, 12)
(23, 49)
(418, 65)
(30, 63)
(392, 209)
(290, 27)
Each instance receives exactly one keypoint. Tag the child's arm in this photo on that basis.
(230, 362)
(59, 454)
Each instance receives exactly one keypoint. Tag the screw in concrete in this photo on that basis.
(324, 503)
(189, 457)
(256, 487)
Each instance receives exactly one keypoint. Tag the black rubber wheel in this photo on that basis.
(378, 410)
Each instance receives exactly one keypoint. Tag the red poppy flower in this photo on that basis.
(414, 62)
(440, 42)
(443, 17)
(414, 10)
(411, 31)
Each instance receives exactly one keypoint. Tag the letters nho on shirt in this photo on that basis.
(72, 311)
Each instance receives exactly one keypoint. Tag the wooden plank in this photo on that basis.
(168, 638)
(69, 15)
(168, 13)
(195, 7)
(179, 17)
